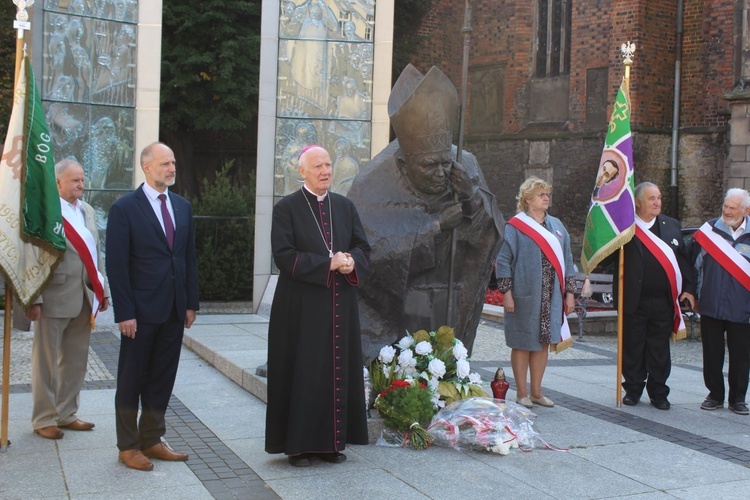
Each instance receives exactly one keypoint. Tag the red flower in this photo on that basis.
(493, 297)
(396, 384)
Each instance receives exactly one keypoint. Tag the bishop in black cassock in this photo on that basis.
(315, 382)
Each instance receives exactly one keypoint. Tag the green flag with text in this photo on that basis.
(32, 239)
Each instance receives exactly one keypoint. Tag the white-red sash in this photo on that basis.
(664, 254)
(725, 254)
(551, 248)
(88, 256)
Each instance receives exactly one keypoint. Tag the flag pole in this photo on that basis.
(6, 367)
(620, 314)
(627, 52)
(21, 24)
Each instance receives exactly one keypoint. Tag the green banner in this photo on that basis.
(611, 219)
(42, 219)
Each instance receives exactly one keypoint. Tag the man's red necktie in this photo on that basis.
(168, 224)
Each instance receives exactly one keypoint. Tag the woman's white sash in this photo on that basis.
(552, 249)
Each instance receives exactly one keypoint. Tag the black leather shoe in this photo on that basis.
(302, 460)
(630, 400)
(740, 408)
(661, 404)
(711, 404)
(333, 458)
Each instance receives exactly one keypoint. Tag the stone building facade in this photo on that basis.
(99, 90)
(543, 75)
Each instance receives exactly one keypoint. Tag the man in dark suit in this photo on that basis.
(152, 269)
(655, 261)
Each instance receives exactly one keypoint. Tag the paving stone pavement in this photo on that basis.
(214, 414)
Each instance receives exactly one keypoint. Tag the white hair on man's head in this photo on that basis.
(303, 154)
(740, 193)
(640, 187)
(61, 165)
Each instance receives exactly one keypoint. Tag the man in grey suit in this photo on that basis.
(62, 314)
(151, 264)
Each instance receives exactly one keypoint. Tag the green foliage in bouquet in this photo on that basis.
(379, 381)
(404, 405)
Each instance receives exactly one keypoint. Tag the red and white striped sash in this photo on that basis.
(87, 251)
(664, 254)
(725, 254)
(552, 249)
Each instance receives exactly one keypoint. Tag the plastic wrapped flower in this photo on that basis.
(475, 378)
(500, 447)
(387, 353)
(437, 367)
(486, 424)
(459, 350)
(423, 348)
(462, 368)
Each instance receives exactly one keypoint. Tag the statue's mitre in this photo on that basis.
(423, 111)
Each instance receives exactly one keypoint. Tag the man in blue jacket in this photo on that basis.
(153, 276)
(722, 258)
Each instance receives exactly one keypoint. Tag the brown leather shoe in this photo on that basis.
(50, 432)
(162, 451)
(78, 425)
(135, 460)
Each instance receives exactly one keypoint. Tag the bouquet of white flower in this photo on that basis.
(438, 359)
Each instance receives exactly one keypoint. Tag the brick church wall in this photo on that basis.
(511, 147)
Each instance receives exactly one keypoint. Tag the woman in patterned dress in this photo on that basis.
(533, 296)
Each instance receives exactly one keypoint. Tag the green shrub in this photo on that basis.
(224, 236)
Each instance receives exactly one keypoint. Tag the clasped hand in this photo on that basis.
(342, 262)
